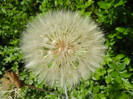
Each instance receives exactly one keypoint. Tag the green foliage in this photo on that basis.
(113, 81)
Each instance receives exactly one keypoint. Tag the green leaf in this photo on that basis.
(108, 79)
(127, 60)
(110, 70)
(118, 79)
(101, 96)
(119, 56)
(49, 65)
(103, 5)
(76, 64)
(127, 84)
(15, 66)
(119, 3)
(125, 74)
(121, 66)
(108, 59)
(113, 66)
(114, 74)
(124, 96)
(120, 29)
(96, 89)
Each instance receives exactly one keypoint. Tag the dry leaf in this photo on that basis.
(14, 78)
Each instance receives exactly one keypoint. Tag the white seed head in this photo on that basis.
(62, 47)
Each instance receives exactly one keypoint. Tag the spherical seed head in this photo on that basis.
(62, 47)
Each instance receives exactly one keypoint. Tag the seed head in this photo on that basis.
(62, 47)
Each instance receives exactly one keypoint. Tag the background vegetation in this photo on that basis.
(113, 81)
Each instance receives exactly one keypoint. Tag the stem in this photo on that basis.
(41, 90)
(66, 92)
(35, 88)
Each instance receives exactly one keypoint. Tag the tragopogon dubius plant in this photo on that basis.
(62, 47)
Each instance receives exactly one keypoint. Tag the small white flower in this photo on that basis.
(62, 47)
